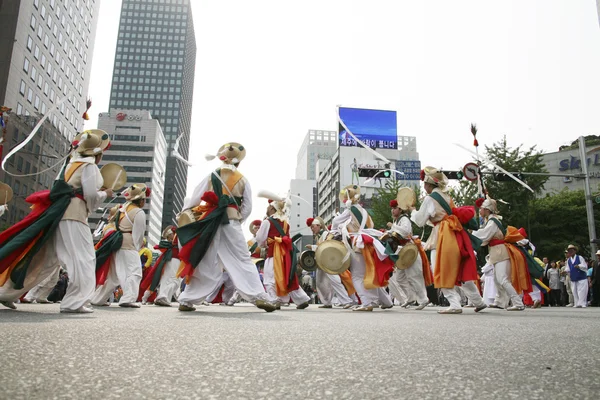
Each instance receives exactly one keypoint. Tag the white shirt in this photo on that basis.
(423, 215)
(196, 199)
(403, 227)
(263, 233)
(487, 233)
(2, 209)
(137, 232)
(90, 185)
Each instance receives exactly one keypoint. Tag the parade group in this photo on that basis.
(357, 266)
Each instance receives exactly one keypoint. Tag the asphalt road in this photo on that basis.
(243, 353)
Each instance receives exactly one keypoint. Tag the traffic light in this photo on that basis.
(367, 172)
(454, 174)
(371, 172)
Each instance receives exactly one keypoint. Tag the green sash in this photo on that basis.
(253, 247)
(499, 225)
(357, 214)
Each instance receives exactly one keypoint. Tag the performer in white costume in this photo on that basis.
(449, 266)
(493, 237)
(126, 269)
(327, 285)
(71, 243)
(227, 247)
(169, 282)
(355, 223)
(410, 280)
(274, 234)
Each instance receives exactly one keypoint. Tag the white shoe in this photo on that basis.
(569, 305)
(515, 308)
(451, 311)
(421, 306)
(80, 310)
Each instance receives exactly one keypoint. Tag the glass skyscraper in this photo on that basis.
(154, 70)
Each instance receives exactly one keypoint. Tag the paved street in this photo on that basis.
(244, 353)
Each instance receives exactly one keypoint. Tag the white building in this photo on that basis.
(344, 169)
(569, 162)
(302, 209)
(317, 145)
(139, 145)
(47, 56)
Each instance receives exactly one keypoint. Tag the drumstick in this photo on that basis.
(116, 180)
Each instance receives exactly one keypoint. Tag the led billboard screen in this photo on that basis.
(375, 128)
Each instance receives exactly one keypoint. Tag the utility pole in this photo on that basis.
(589, 205)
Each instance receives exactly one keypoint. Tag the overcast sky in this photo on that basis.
(268, 71)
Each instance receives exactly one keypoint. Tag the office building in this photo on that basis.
(317, 145)
(154, 70)
(42, 156)
(139, 146)
(46, 49)
(568, 161)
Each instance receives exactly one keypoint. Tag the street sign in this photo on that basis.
(471, 171)
(411, 169)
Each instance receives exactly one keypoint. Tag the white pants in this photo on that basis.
(126, 271)
(44, 288)
(489, 289)
(469, 289)
(411, 281)
(228, 289)
(72, 246)
(228, 249)
(298, 296)
(536, 294)
(453, 296)
(504, 287)
(580, 292)
(398, 292)
(368, 297)
(327, 285)
(169, 282)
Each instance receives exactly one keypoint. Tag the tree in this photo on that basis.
(559, 220)
(517, 211)
(465, 194)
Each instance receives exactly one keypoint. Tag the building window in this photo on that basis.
(36, 52)
(22, 87)
(29, 43)
(32, 22)
(29, 95)
(26, 65)
(33, 73)
(19, 109)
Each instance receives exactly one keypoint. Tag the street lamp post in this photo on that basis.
(589, 205)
